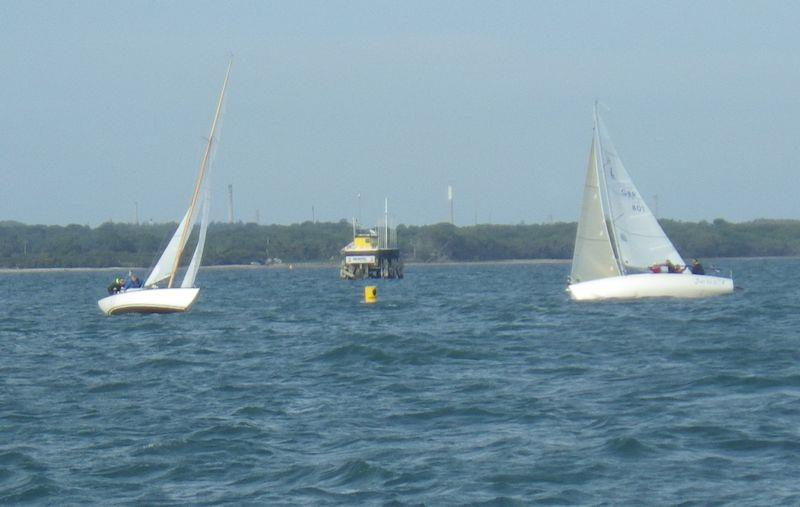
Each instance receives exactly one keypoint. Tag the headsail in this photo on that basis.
(640, 240)
(593, 256)
(163, 268)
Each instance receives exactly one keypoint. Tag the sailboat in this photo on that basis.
(152, 297)
(619, 241)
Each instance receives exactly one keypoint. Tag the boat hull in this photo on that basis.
(649, 286)
(173, 300)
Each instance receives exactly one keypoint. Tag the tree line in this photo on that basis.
(129, 245)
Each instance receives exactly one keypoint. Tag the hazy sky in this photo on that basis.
(105, 104)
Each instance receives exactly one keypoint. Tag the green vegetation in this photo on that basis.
(117, 244)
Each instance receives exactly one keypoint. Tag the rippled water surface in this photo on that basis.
(463, 384)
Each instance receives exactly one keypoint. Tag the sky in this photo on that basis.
(106, 107)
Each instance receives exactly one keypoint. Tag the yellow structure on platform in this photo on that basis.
(363, 243)
(370, 294)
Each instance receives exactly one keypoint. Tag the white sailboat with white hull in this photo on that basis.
(619, 238)
(152, 298)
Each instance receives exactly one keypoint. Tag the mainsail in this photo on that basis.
(197, 257)
(167, 265)
(640, 240)
(593, 256)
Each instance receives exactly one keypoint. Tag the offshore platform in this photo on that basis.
(373, 253)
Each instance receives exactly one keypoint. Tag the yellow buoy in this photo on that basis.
(370, 294)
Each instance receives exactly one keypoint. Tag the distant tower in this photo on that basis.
(450, 201)
(386, 221)
(230, 204)
(136, 212)
(258, 216)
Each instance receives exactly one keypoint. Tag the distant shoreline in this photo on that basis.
(321, 265)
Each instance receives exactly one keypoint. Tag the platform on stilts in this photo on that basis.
(373, 253)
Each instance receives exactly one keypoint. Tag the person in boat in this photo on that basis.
(132, 283)
(116, 285)
(673, 268)
(697, 268)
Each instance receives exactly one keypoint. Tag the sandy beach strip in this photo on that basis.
(288, 265)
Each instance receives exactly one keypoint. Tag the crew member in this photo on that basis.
(673, 268)
(697, 268)
(116, 285)
(133, 283)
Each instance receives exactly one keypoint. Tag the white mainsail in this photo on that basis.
(593, 256)
(640, 240)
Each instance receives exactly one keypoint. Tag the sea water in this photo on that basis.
(462, 384)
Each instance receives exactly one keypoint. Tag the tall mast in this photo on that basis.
(604, 202)
(200, 175)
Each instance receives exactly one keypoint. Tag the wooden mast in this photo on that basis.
(199, 180)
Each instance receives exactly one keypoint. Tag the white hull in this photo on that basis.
(149, 301)
(649, 285)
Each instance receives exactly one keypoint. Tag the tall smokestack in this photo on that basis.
(386, 221)
(450, 201)
(230, 204)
